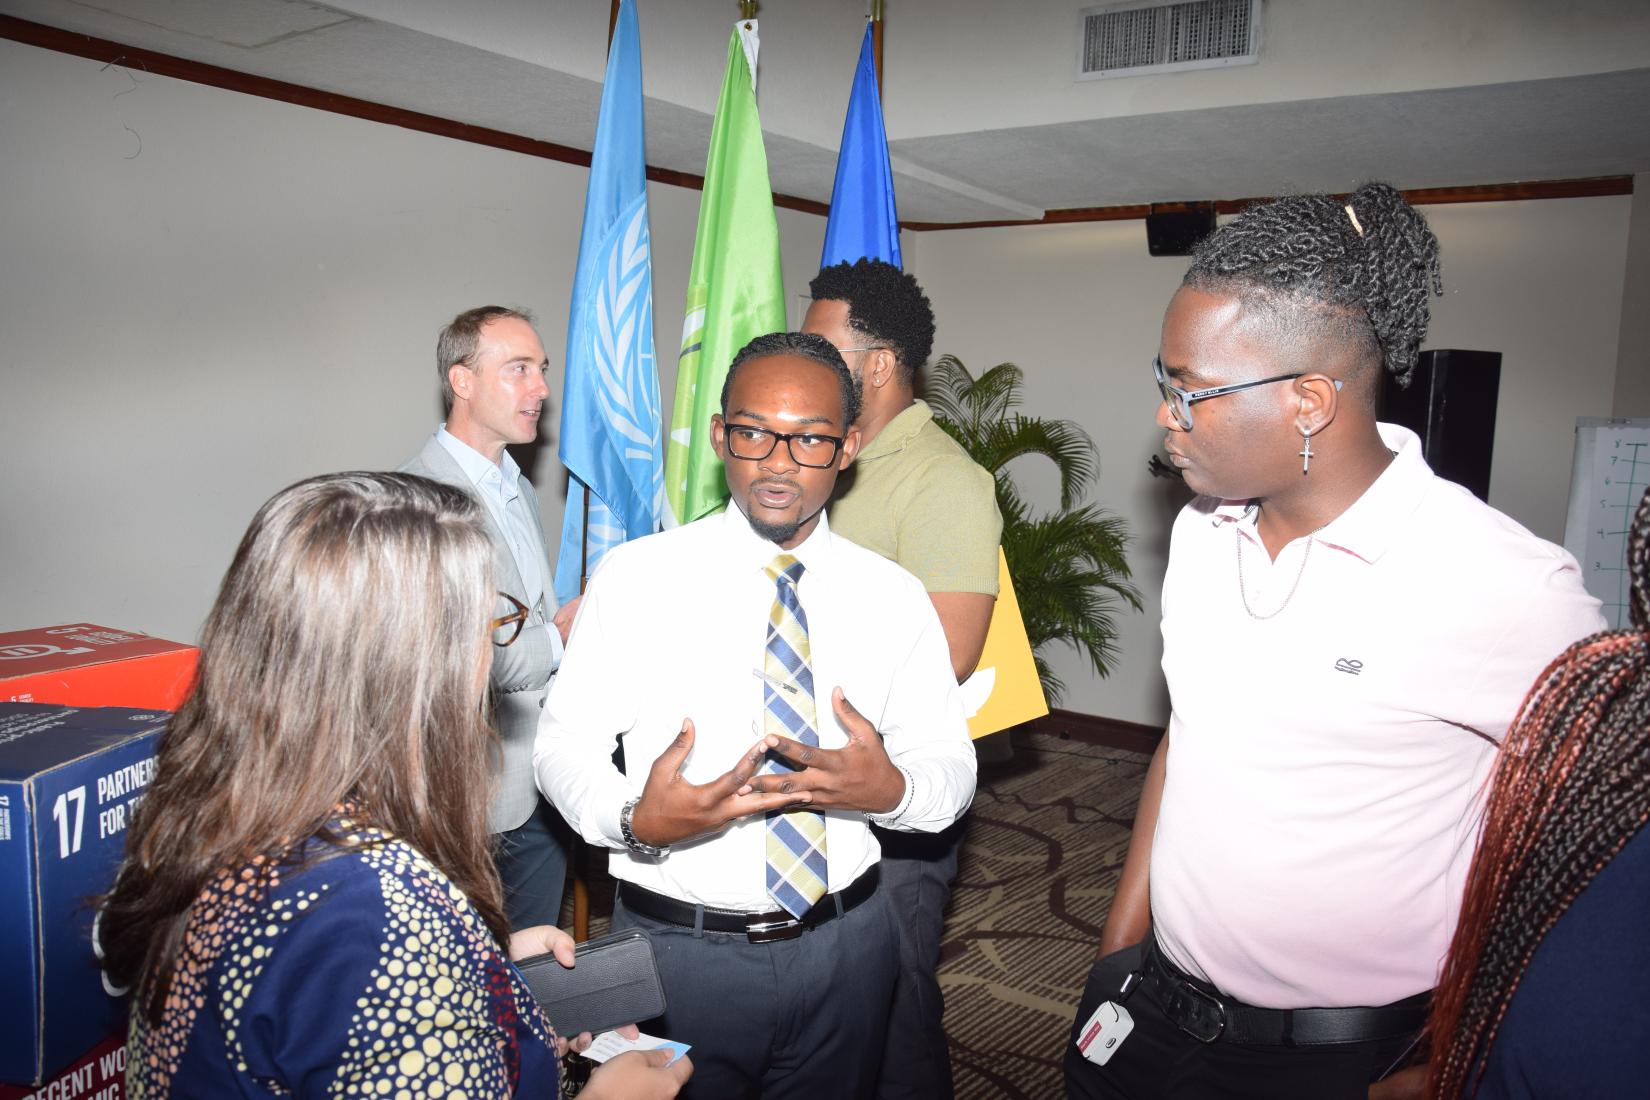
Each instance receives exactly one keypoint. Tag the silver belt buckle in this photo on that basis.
(771, 931)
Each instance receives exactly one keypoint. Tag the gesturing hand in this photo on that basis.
(672, 809)
(858, 776)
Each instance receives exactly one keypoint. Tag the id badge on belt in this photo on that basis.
(1104, 1032)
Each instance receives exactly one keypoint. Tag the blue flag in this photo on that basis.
(863, 221)
(611, 434)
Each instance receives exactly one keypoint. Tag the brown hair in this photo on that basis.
(342, 663)
(458, 342)
(1571, 789)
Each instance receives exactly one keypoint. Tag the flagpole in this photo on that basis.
(584, 530)
(581, 860)
(876, 42)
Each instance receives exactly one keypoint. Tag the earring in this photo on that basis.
(1306, 450)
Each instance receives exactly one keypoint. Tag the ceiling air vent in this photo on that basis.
(1132, 38)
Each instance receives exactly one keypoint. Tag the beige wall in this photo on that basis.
(206, 296)
(1633, 351)
(1079, 307)
(1539, 282)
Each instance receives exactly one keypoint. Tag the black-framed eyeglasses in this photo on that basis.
(507, 628)
(1180, 401)
(753, 444)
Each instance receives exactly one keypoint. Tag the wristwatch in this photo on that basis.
(630, 840)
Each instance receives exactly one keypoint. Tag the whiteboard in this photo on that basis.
(1609, 476)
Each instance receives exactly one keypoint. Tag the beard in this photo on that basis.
(774, 532)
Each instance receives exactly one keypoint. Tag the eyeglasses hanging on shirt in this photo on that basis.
(507, 628)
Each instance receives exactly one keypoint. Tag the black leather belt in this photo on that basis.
(755, 927)
(1206, 1014)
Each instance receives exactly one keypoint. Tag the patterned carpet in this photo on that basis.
(1046, 840)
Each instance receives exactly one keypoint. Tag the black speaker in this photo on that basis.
(1450, 404)
(1176, 234)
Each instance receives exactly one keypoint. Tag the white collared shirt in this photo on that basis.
(673, 626)
(499, 489)
(1321, 799)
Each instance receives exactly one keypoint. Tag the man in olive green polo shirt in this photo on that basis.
(914, 496)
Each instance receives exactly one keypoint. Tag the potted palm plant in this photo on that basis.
(1068, 566)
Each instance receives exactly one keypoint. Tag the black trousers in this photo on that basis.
(797, 1019)
(532, 864)
(1158, 1060)
(917, 872)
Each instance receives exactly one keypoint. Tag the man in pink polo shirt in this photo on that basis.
(1346, 638)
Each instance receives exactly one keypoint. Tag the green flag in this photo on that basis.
(735, 290)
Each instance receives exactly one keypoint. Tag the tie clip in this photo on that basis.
(775, 681)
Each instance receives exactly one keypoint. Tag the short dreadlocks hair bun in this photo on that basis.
(1370, 255)
(885, 304)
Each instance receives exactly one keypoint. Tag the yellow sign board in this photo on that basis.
(1004, 690)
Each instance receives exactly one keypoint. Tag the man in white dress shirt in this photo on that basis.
(676, 644)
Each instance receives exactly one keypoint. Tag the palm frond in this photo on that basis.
(994, 393)
(972, 405)
(947, 380)
(1086, 535)
(1069, 568)
(1060, 441)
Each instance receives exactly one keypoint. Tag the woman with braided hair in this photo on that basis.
(1346, 637)
(1543, 991)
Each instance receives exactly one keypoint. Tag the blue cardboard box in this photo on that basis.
(70, 779)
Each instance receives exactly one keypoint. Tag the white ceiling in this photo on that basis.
(984, 117)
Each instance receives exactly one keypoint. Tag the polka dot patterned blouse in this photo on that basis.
(364, 974)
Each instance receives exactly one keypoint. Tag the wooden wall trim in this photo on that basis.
(1094, 730)
(1420, 196)
(198, 72)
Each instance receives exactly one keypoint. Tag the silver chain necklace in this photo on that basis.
(1243, 589)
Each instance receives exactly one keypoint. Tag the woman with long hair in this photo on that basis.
(308, 906)
(1543, 990)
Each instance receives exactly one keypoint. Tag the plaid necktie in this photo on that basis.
(796, 838)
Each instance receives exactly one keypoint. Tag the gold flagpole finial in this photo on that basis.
(747, 9)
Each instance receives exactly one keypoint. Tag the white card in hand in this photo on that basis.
(1104, 1032)
(610, 1043)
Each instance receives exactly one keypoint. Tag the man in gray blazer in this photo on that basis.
(492, 367)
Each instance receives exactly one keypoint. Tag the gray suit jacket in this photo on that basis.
(521, 672)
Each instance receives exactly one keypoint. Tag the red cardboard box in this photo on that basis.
(94, 666)
(99, 1074)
